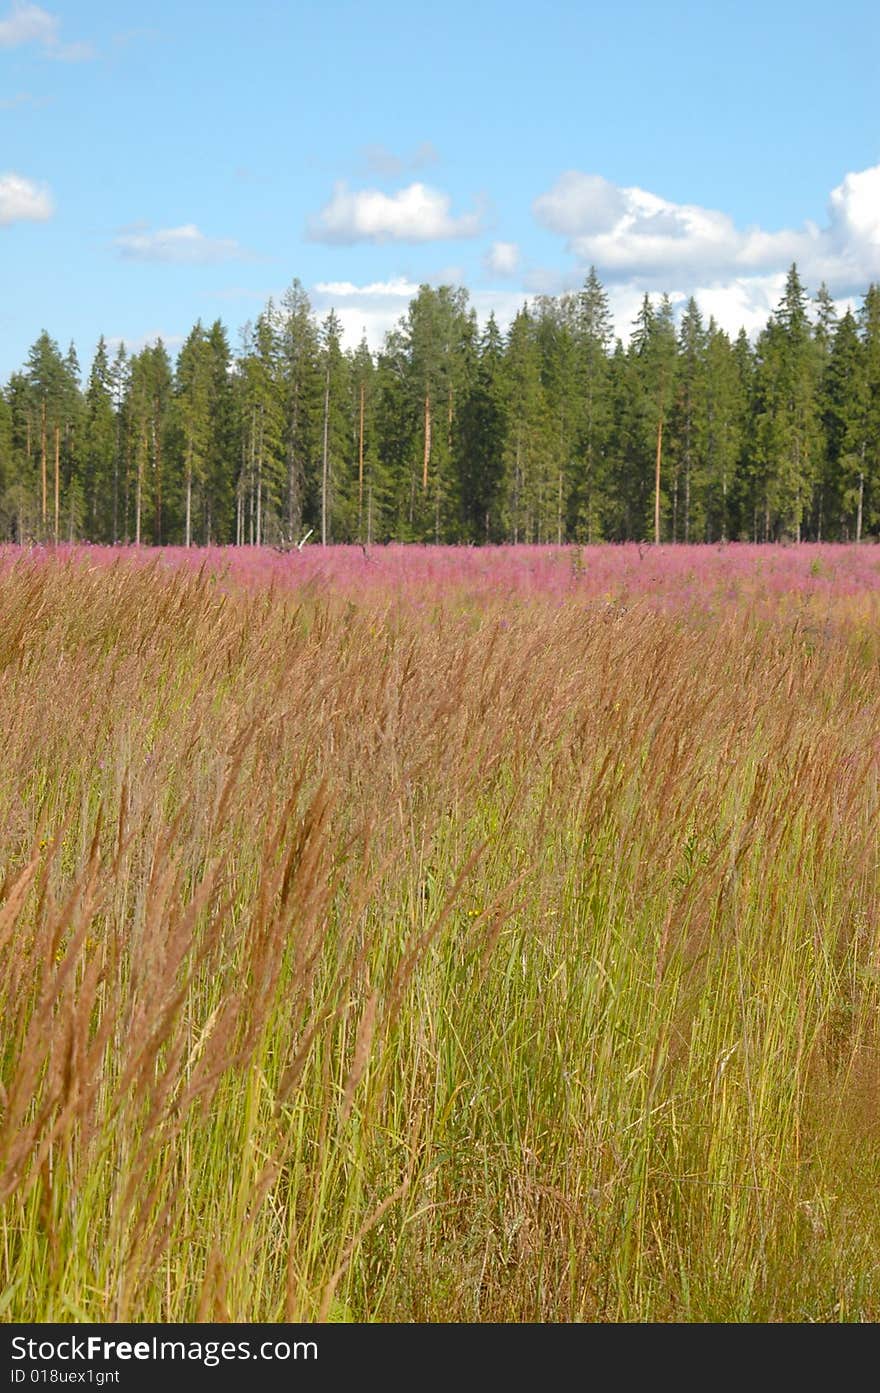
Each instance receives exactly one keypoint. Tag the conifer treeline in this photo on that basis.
(553, 431)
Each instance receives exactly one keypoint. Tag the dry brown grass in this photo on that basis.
(457, 963)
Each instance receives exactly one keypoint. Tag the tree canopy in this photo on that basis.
(553, 431)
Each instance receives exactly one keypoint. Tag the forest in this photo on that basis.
(554, 431)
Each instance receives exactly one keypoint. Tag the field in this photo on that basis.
(440, 935)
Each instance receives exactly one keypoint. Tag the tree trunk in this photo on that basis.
(43, 461)
(361, 466)
(189, 489)
(325, 456)
(57, 481)
(657, 480)
(157, 456)
(116, 457)
(138, 494)
(260, 495)
(861, 502)
(294, 481)
(427, 454)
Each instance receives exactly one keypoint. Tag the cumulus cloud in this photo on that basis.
(181, 246)
(579, 204)
(503, 258)
(631, 234)
(371, 310)
(30, 24)
(416, 213)
(365, 311)
(21, 200)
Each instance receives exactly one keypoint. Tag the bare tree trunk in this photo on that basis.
(361, 466)
(252, 473)
(157, 457)
(43, 461)
(116, 458)
(189, 489)
(259, 486)
(57, 481)
(139, 492)
(657, 480)
(294, 476)
(427, 454)
(861, 502)
(325, 456)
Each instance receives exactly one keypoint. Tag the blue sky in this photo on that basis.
(187, 161)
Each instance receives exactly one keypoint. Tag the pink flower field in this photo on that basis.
(668, 577)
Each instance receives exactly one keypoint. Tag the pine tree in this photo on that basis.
(192, 402)
(335, 475)
(652, 356)
(593, 338)
(99, 447)
(217, 502)
(301, 375)
(687, 420)
(869, 325)
(261, 488)
(429, 348)
(363, 402)
(120, 386)
(725, 407)
(480, 433)
(526, 482)
(844, 402)
(557, 344)
(48, 401)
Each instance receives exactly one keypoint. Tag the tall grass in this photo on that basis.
(363, 959)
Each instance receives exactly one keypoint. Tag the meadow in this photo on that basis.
(423, 934)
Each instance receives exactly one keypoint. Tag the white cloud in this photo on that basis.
(632, 235)
(372, 310)
(21, 200)
(580, 203)
(503, 258)
(416, 213)
(182, 246)
(30, 24)
(27, 24)
(137, 342)
(364, 310)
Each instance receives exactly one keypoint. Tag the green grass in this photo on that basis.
(364, 964)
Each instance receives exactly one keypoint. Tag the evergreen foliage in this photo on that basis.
(552, 432)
